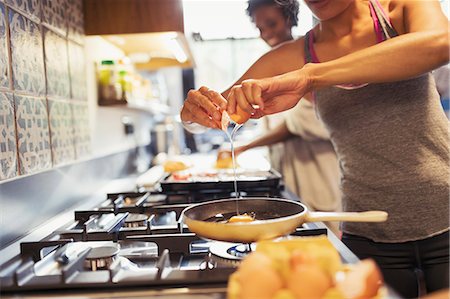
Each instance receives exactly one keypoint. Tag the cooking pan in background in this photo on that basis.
(274, 218)
(248, 180)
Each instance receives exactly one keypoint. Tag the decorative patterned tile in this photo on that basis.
(57, 65)
(54, 15)
(77, 71)
(61, 130)
(75, 20)
(30, 8)
(32, 134)
(26, 54)
(4, 80)
(83, 145)
(8, 145)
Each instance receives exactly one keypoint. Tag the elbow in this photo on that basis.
(443, 46)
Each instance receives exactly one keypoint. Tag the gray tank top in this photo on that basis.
(393, 144)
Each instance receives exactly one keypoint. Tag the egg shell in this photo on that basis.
(240, 116)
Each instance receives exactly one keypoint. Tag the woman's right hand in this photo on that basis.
(270, 95)
(204, 106)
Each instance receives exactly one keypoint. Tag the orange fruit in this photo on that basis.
(308, 281)
(257, 277)
(240, 116)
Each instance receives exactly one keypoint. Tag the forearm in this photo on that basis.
(278, 134)
(400, 58)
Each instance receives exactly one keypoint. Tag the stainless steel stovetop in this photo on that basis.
(130, 245)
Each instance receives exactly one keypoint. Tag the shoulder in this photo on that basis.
(402, 6)
(414, 16)
(290, 54)
(395, 10)
(292, 46)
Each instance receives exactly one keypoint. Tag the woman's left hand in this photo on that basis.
(269, 95)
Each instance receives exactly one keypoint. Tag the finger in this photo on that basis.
(203, 89)
(257, 96)
(199, 116)
(242, 101)
(184, 113)
(253, 92)
(216, 98)
(258, 114)
(195, 115)
(247, 90)
(231, 99)
(197, 98)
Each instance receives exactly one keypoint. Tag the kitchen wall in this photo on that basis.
(106, 125)
(44, 118)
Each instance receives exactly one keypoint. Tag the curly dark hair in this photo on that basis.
(290, 8)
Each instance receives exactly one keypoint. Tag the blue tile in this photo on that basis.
(57, 65)
(77, 71)
(4, 79)
(8, 145)
(62, 132)
(31, 8)
(55, 15)
(26, 54)
(33, 138)
(75, 20)
(82, 131)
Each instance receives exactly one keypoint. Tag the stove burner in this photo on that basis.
(100, 258)
(226, 253)
(240, 250)
(136, 220)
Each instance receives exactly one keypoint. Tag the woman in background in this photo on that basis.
(367, 64)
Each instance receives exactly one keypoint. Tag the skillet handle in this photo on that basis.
(369, 216)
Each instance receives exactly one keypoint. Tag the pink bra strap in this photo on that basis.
(376, 23)
(386, 16)
(311, 48)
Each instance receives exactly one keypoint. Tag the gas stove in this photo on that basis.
(129, 241)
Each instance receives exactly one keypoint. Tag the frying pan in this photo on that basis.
(274, 218)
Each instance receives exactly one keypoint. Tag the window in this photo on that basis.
(230, 41)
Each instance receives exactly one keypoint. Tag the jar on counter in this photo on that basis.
(109, 87)
(106, 72)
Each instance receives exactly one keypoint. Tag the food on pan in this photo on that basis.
(174, 165)
(303, 268)
(181, 176)
(241, 218)
(224, 160)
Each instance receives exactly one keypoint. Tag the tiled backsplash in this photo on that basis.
(44, 120)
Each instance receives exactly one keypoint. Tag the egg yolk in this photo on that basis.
(241, 218)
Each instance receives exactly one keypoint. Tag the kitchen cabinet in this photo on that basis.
(132, 16)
